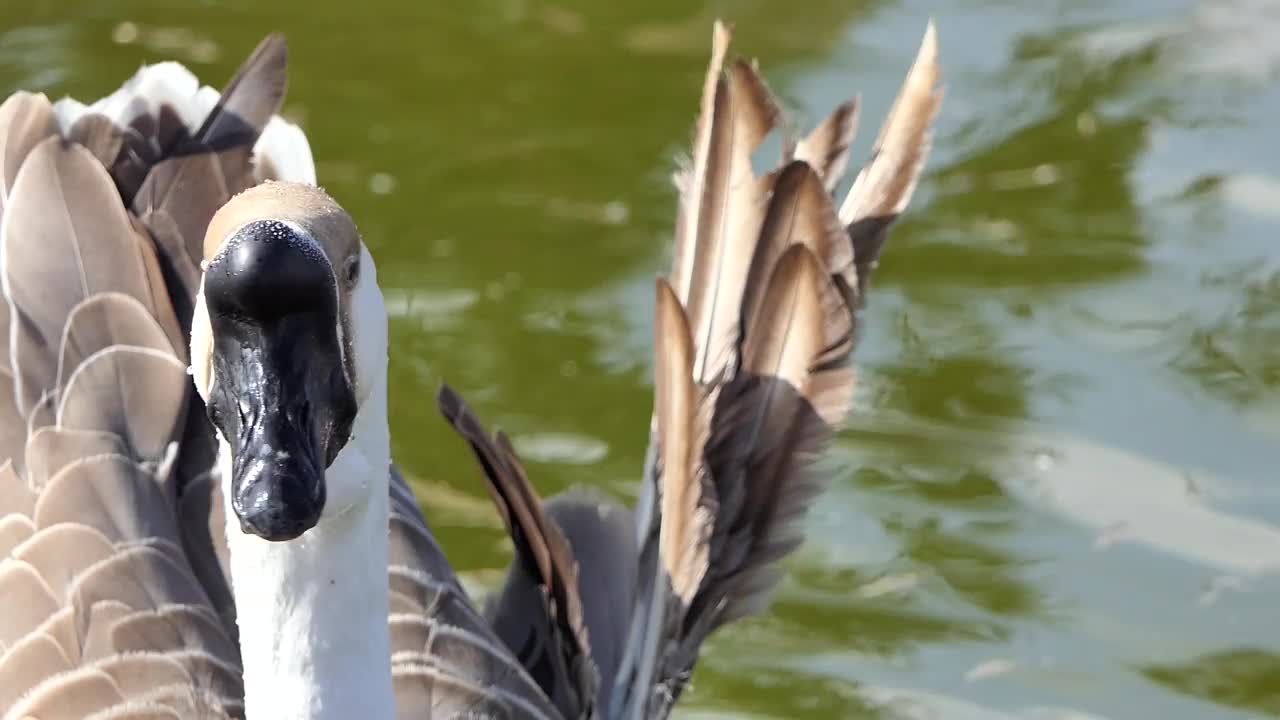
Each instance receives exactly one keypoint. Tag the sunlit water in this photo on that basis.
(1058, 496)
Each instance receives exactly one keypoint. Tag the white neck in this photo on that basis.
(313, 611)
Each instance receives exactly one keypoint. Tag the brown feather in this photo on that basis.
(249, 99)
(16, 496)
(63, 552)
(26, 119)
(64, 209)
(800, 213)
(570, 679)
(136, 393)
(176, 203)
(109, 493)
(25, 664)
(70, 696)
(51, 448)
(28, 600)
(104, 320)
(100, 136)
(15, 529)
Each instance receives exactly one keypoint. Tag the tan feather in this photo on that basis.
(95, 632)
(136, 393)
(63, 209)
(176, 203)
(13, 431)
(104, 320)
(885, 185)
(26, 119)
(15, 495)
(109, 493)
(147, 711)
(139, 673)
(691, 181)
(731, 211)
(63, 552)
(14, 530)
(687, 514)
(826, 149)
(51, 448)
(28, 599)
(70, 696)
(100, 136)
(800, 213)
(45, 411)
(172, 628)
(138, 576)
(26, 664)
(790, 337)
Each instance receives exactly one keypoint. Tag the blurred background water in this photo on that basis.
(1058, 496)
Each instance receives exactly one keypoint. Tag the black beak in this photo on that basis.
(281, 396)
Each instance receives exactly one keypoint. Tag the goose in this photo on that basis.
(199, 515)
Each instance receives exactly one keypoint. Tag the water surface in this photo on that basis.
(1057, 498)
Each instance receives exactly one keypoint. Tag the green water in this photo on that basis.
(1058, 495)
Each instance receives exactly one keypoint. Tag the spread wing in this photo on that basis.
(102, 610)
(754, 331)
(113, 602)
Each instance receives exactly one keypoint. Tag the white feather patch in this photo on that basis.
(285, 147)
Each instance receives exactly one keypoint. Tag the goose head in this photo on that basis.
(288, 345)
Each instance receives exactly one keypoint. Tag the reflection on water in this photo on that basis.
(1057, 497)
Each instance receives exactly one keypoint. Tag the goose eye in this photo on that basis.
(351, 271)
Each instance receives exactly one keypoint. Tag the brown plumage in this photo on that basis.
(94, 558)
(114, 592)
